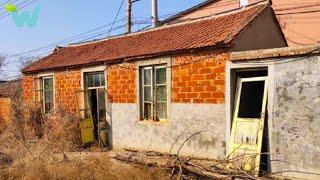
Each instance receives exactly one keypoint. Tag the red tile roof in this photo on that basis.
(163, 40)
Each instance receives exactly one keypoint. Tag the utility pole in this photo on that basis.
(129, 13)
(154, 17)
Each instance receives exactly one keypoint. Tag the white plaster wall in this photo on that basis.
(206, 121)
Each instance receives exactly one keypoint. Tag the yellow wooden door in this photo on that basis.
(85, 115)
(248, 123)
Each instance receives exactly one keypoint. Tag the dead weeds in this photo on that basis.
(98, 167)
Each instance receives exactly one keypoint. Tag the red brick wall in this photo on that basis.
(5, 111)
(202, 81)
(28, 89)
(66, 85)
(122, 83)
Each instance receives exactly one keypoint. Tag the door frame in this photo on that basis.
(102, 68)
(259, 121)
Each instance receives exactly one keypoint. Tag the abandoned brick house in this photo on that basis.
(167, 89)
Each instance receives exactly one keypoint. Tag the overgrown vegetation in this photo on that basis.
(32, 146)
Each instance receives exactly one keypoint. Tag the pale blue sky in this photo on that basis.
(60, 19)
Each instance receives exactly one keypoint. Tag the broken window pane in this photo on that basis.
(147, 110)
(161, 75)
(251, 98)
(161, 110)
(161, 92)
(147, 76)
(147, 93)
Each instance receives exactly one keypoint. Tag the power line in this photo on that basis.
(91, 36)
(116, 17)
(6, 2)
(7, 14)
(69, 39)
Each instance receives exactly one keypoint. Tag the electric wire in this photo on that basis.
(115, 18)
(7, 14)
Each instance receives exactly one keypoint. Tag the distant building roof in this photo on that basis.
(208, 32)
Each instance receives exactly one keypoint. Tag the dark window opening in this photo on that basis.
(251, 99)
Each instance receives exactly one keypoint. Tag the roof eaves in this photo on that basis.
(220, 45)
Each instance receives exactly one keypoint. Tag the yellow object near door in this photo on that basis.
(248, 123)
(87, 131)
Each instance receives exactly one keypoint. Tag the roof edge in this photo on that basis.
(134, 58)
(274, 53)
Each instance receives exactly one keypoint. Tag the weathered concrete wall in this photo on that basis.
(293, 112)
(296, 115)
(196, 106)
(208, 120)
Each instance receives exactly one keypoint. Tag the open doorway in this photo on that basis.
(249, 130)
(95, 105)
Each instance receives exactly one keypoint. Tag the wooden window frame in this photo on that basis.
(40, 92)
(153, 85)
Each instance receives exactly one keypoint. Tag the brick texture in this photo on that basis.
(122, 83)
(28, 89)
(67, 83)
(202, 81)
(5, 111)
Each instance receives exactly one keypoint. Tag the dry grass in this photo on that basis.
(91, 167)
(33, 144)
(40, 160)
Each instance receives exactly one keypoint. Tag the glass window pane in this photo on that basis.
(48, 96)
(147, 93)
(161, 110)
(103, 83)
(96, 80)
(147, 110)
(147, 76)
(89, 80)
(161, 75)
(161, 92)
(48, 83)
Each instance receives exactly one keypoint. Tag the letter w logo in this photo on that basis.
(26, 17)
